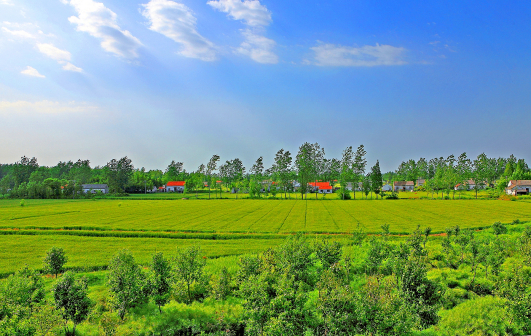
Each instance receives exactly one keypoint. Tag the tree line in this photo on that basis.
(27, 179)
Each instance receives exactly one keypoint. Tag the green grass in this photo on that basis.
(90, 253)
(91, 231)
(257, 216)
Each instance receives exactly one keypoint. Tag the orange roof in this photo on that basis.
(320, 185)
(175, 184)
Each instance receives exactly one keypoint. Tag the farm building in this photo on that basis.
(518, 187)
(321, 187)
(387, 187)
(349, 186)
(420, 182)
(403, 186)
(469, 185)
(93, 188)
(175, 186)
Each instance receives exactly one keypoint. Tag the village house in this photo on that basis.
(349, 186)
(387, 187)
(321, 187)
(469, 185)
(93, 188)
(175, 186)
(518, 187)
(403, 186)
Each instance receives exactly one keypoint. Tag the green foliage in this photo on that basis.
(188, 265)
(498, 228)
(71, 299)
(19, 293)
(482, 316)
(126, 281)
(160, 279)
(55, 260)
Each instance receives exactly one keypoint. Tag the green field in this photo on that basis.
(92, 230)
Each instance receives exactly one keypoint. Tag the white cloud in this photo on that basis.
(99, 21)
(258, 47)
(45, 107)
(177, 22)
(366, 56)
(256, 16)
(32, 72)
(70, 67)
(53, 52)
(6, 2)
(19, 33)
(251, 11)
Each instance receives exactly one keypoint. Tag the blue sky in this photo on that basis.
(165, 80)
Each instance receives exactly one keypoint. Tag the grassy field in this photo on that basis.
(257, 216)
(91, 231)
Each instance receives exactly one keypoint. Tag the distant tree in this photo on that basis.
(55, 260)
(376, 179)
(257, 172)
(358, 167)
(480, 172)
(173, 171)
(210, 168)
(126, 282)
(282, 169)
(188, 267)
(366, 185)
(71, 298)
(23, 169)
(346, 171)
(160, 279)
(305, 166)
(118, 173)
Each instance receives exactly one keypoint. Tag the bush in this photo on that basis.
(498, 228)
(343, 193)
(22, 202)
(482, 316)
(393, 195)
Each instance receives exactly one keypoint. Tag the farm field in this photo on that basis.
(257, 216)
(91, 231)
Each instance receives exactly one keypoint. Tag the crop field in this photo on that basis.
(91, 231)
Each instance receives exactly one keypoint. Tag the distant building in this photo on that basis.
(387, 187)
(349, 186)
(93, 188)
(175, 186)
(403, 186)
(518, 187)
(321, 187)
(469, 185)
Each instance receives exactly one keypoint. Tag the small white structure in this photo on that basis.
(469, 185)
(175, 186)
(518, 187)
(403, 186)
(93, 188)
(349, 186)
(387, 187)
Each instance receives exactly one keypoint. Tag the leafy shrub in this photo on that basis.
(343, 193)
(22, 202)
(482, 316)
(393, 195)
(516, 221)
(498, 228)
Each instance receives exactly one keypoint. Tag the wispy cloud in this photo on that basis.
(19, 33)
(45, 107)
(61, 56)
(31, 72)
(6, 2)
(100, 22)
(53, 52)
(255, 16)
(258, 47)
(251, 12)
(366, 56)
(177, 22)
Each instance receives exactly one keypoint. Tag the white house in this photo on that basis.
(93, 188)
(403, 186)
(518, 187)
(349, 186)
(387, 187)
(175, 186)
(321, 187)
(470, 185)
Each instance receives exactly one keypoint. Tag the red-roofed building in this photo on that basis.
(175, 186)
(321, 187)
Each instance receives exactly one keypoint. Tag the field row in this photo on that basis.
(258, 216)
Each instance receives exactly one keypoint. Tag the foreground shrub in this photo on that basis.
(482, 316)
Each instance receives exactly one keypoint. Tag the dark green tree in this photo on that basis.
(71, 298)
(55, 260)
